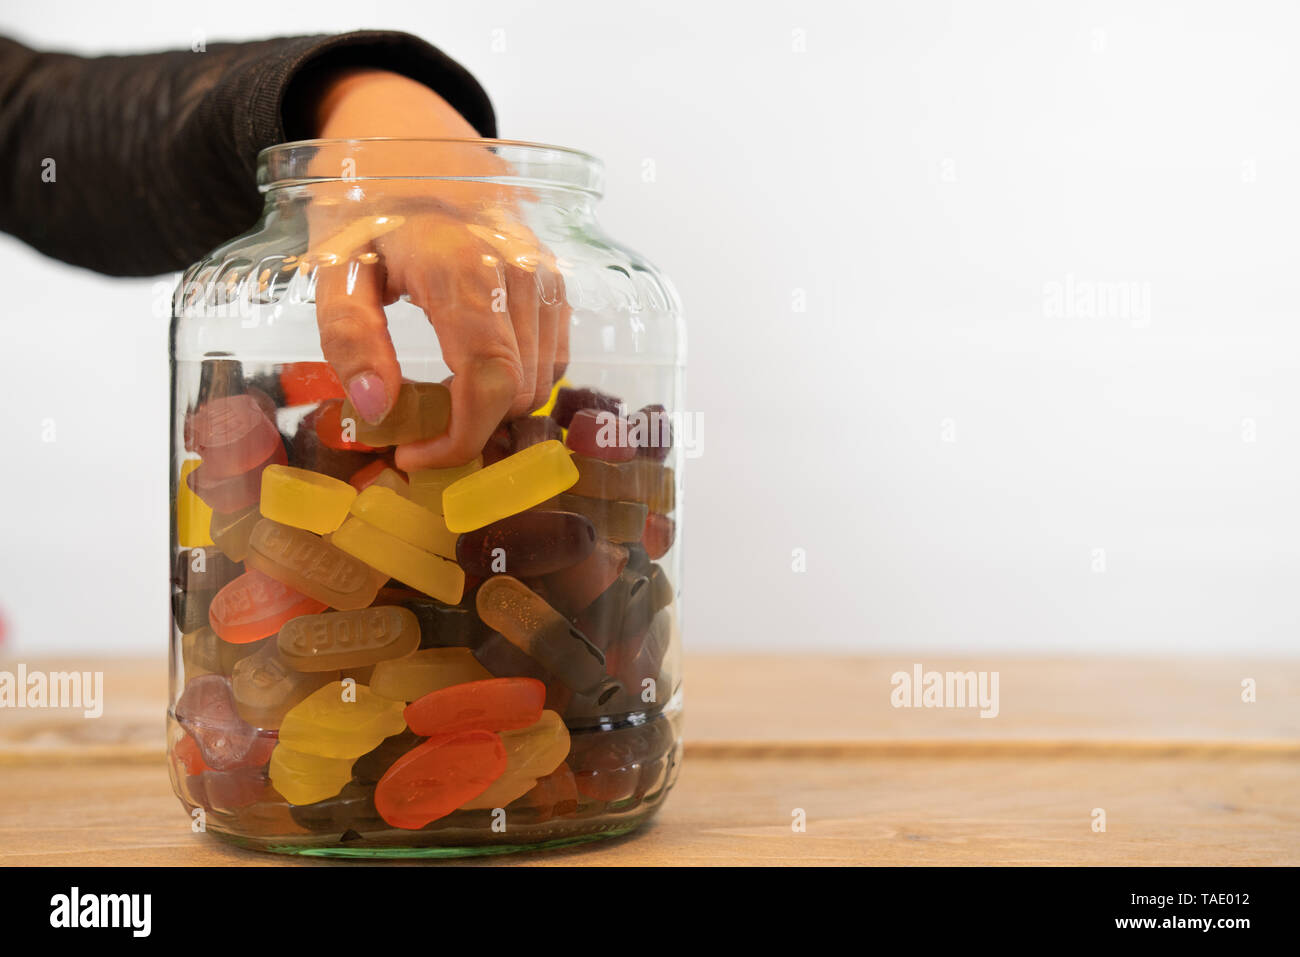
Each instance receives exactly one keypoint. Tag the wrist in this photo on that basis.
(361, 102)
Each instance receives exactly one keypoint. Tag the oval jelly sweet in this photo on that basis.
(531, 543)
(308, 564)
(493, 704)
(349, 639)
(255, 605)
(438, 777)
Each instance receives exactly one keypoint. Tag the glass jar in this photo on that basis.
(373, 662)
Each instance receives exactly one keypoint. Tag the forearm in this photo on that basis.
(139, 165)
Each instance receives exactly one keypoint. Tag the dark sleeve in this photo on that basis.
(138, 165)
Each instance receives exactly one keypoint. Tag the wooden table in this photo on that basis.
(1185, 771)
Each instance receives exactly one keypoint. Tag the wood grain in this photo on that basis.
(1186, 772)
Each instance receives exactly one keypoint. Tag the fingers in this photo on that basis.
(556, 312)
(354, 335)
(521, 302)
(548, 330)
(496, 301)
(457, 289)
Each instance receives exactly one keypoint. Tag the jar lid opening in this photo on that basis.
(504, 162)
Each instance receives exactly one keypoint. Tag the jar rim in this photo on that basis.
(532, 165)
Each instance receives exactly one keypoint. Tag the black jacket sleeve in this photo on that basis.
(138, 165)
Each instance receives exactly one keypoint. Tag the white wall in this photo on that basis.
(949, 449)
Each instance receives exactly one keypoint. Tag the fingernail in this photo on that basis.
(369, 397)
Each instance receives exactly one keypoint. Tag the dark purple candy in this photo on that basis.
(504, 659)
(307, 451)
(640, 656)
(204, 569)
(498, 446)
(220, 377)
(528, 544)
(445, 626)
(568, 402)
(638, 560)
(572, 589)
(652, 432)
(532, 430)
(623, 607)
(268, 383)
(662, 593)
(190, 608)
(626, 747)
(353, 808)
(370, 767)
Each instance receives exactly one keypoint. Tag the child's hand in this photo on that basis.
(493, 293)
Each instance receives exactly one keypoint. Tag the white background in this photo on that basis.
(966, 468)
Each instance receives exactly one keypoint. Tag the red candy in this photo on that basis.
(232, 493)
(307, 382)
(225, 741)
(232, 435)
(600, 435)
(660, 530)
(493, 704)
(254, 606)
(437, 777)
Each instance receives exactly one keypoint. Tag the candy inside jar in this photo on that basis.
(373, 662)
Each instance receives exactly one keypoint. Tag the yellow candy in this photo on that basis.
(432, 669)
(427, 484)
(307, 778)
(531, 753)
(422, 570)
(304, 499)
(505, 488)
(389, 512)
(193, 516)
(341, 720)
(550, 400)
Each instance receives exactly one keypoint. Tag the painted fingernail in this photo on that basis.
(369, 397)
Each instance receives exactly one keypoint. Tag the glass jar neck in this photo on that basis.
(376, 166)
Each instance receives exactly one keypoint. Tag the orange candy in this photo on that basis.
(307, 382)
(187, 752)
(255, 605)
(437, 777)
(493, 704)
